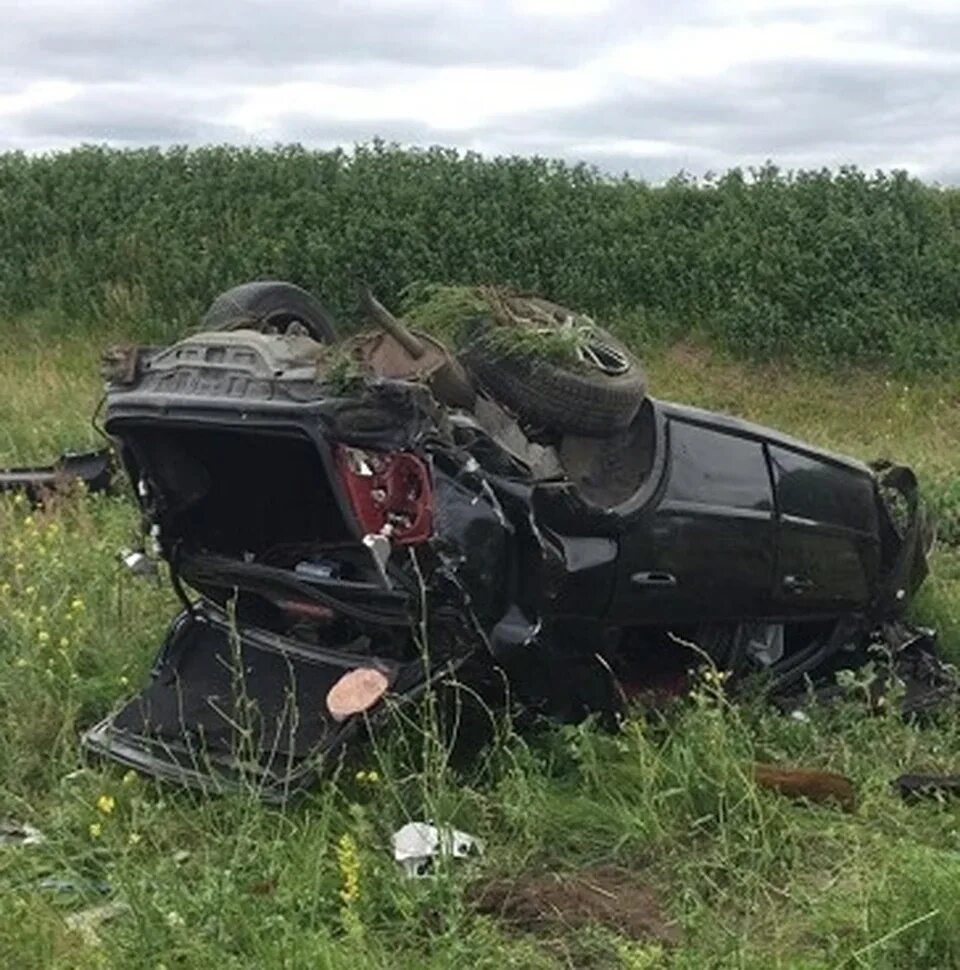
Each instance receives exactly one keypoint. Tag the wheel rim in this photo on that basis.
(602, 356)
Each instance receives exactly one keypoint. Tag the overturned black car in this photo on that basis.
(344, 538)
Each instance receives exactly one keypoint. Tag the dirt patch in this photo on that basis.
(606, 895)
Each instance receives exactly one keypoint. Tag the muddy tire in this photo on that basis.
(270, 306)
(584, 401)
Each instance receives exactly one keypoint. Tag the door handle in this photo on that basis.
(797, 584)
(654, 580)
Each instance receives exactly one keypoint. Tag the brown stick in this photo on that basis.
(387, 322)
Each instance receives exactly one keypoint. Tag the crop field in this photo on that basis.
(824, 305)
(812, 265)
(741, 877)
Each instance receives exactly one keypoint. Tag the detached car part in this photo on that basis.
(315, 528)
(93, 468)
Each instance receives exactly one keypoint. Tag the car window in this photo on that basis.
(823, 492)
(710, 467)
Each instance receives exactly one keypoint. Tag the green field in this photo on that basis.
(748, 879)
(815, 265)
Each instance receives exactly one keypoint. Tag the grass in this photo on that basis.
(482, 318)
(752, 880)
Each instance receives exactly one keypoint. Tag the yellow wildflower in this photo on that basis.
(106, 804)
(348, 861)
(96, 830)
(130, 778)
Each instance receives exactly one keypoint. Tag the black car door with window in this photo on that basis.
(704, 549)
(828, 543)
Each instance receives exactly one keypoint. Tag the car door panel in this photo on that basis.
(704, 548)
(827, 536)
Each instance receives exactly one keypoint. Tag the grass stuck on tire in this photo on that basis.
(552, 366)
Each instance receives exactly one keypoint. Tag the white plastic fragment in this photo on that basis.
(138, 562)
(417, 844)
(19, 833)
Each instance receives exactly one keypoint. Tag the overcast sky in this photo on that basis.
(646, 86)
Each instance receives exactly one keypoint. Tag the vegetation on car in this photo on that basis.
(820, 265)
(471, 316)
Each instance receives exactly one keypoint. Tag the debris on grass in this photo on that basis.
(417, 844)
(94, 469)
(19, 833)
(914, 787)
(822, 787)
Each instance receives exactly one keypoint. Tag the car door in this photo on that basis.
(703, 550)
(828, 533)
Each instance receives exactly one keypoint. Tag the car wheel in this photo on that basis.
(270, 306)
(598, 394)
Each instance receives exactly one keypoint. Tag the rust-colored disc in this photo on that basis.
(355, 692)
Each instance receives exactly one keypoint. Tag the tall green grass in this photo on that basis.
(750, 879)
(820, 265)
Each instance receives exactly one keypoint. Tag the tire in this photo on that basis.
(546, 395)
(270, 305)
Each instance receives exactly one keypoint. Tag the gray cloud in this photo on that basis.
(256, 38)
(164, 71)
(131, 115)
(811, 114)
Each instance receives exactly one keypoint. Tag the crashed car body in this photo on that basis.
(327, 526)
